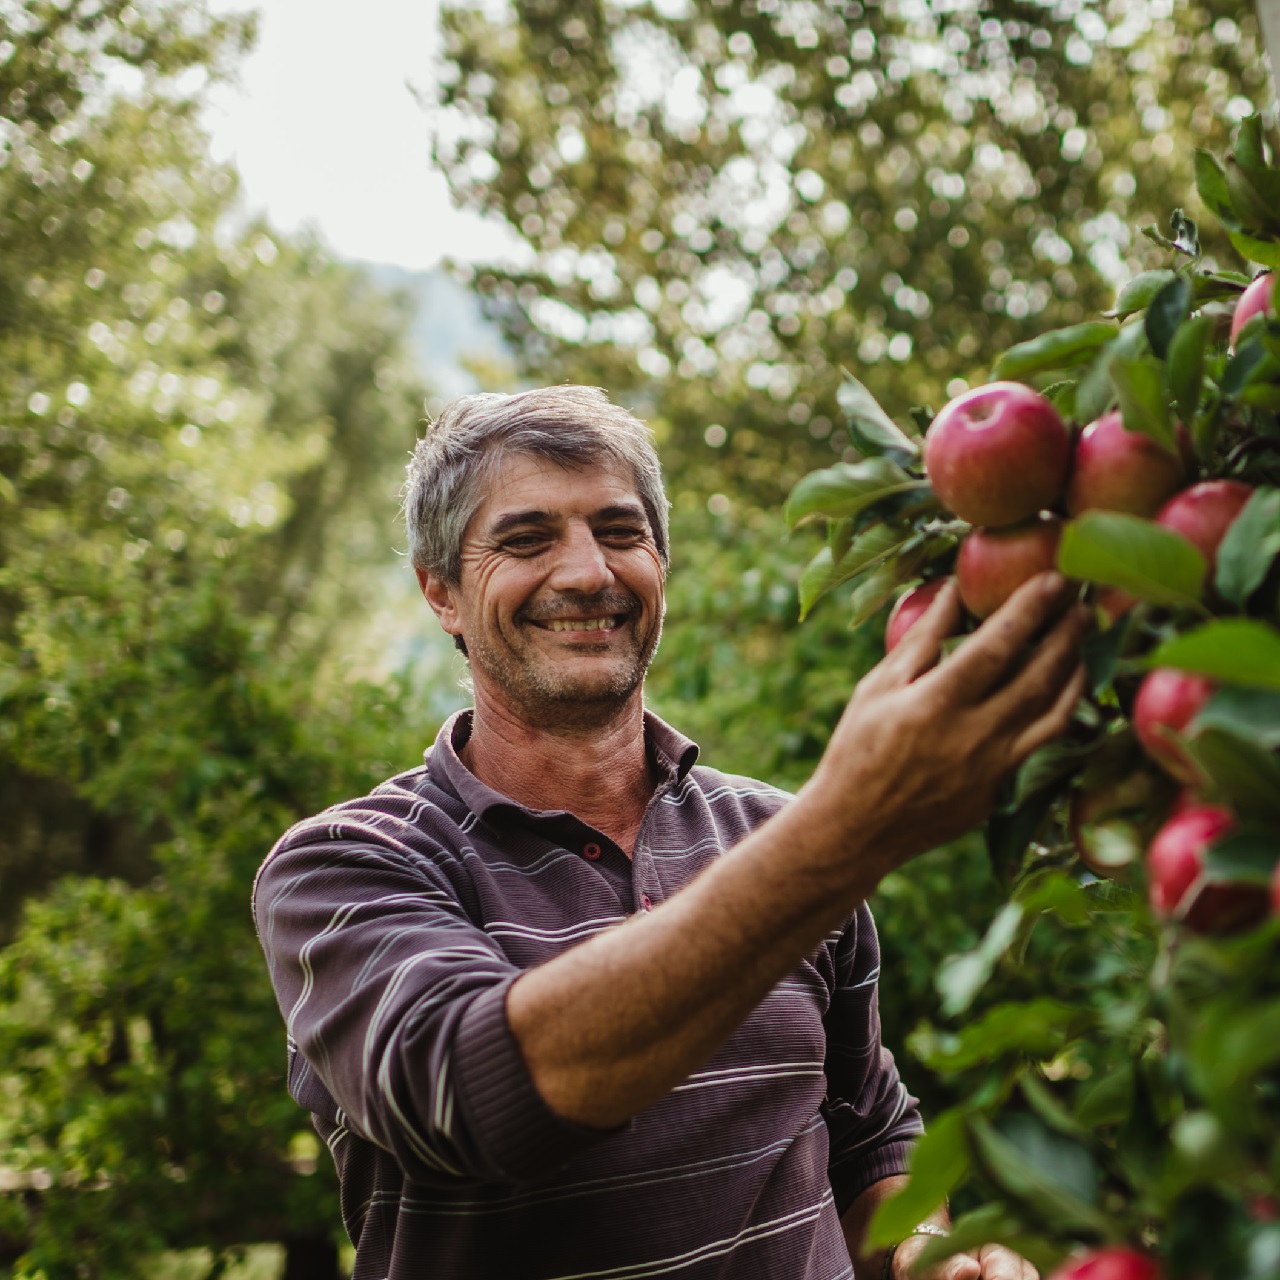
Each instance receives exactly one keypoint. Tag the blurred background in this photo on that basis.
(245, 254)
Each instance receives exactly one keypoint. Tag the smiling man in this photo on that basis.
(562, 1001)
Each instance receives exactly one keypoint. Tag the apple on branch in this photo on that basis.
(1120, 470)
(1255, 300)
(1203, 513)
(998, 454)
(1167, 702)
(1114, 1263)
(909, 609)
(1176, 881)
(994, 563)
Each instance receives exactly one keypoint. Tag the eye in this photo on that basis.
(524, 543)
(622, 533)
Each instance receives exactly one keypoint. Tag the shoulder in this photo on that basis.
(728, 798)
(405, 820)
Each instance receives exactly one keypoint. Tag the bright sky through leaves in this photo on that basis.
(326, 130)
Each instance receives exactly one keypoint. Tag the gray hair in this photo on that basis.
(573, 427)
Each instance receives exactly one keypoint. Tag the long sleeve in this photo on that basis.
(394, 998)
(871, 1118)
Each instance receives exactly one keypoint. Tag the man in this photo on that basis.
(563, 1003)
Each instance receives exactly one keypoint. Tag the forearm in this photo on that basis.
(867, 1261)
(918, 757)
(608, 1027)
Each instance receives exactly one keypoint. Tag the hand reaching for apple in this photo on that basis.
(991, 1262)
(924, 745)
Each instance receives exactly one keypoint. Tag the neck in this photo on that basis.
(599, 772)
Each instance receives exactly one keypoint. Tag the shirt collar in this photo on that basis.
(671, 752)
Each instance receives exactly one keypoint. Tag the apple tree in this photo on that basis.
(1114, 1038)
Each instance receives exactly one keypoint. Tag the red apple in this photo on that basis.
(1120, 470)
(1275, 891)
(998, 454)
(1113, 1263)
(1175, 875)
(1167, 702)
(1204, 513)
(910, 607)
(994, 563)
(1255, 300)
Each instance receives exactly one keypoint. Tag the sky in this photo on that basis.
(326, 131)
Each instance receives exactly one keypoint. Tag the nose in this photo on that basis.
(581, 564)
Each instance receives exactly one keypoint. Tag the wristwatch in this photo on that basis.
(920, 1229)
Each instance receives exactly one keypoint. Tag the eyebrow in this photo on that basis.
(615, 511)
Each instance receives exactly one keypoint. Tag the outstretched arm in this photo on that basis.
(918, 757)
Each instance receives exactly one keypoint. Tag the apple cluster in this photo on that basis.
(1002, 460)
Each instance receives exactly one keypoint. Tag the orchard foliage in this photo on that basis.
(196, 418)
(723, 202)
(1115, 1037)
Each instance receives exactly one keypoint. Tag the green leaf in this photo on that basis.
(880, 585)
(1235, 651)
(845, 489)
(1211, 183)
(1246, 856)
(1248, 198)
(1250, 151)
(1046, 1184)
(1058, 349)
(872, 430)
(823, 573)
(1106, 1101)
(1119, 550)
(1139, 292)
(1139, 384)
(1264, 252)
(1185, 365)
(1246, 553)
(1241, 368)
(1248, 775)
(1248, 713)
(939, 1163)
(1168, 309)
(960, 978)
(1038, 1027)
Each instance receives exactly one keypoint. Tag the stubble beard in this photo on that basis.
(548, 698)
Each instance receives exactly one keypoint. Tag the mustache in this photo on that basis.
(570, 606)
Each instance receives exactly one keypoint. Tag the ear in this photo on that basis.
(442, 599)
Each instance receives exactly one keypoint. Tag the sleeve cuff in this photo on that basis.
(520, 1137)
(850, 1181)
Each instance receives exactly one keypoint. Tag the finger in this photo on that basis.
(998, 647)
(960, 1266)
(1000, 1263)
(921, 647)
(1054, 723)
(1046, 669)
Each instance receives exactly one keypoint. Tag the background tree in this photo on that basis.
(198, 421)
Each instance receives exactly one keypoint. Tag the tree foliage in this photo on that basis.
(196, 419)
(1112, 1044)
(725, 204)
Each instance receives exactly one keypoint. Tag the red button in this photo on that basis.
(591, 851)
(646, 903)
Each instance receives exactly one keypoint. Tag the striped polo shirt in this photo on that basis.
(393, 927)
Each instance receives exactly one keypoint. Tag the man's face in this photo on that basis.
(560, 596)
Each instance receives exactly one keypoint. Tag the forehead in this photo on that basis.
(523, 483)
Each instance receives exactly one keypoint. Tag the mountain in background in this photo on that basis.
(448, 328)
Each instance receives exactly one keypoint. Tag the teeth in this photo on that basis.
(580, 624)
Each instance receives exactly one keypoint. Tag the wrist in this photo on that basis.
(923, 1229)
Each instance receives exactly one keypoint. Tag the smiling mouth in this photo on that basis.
(581, 624)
